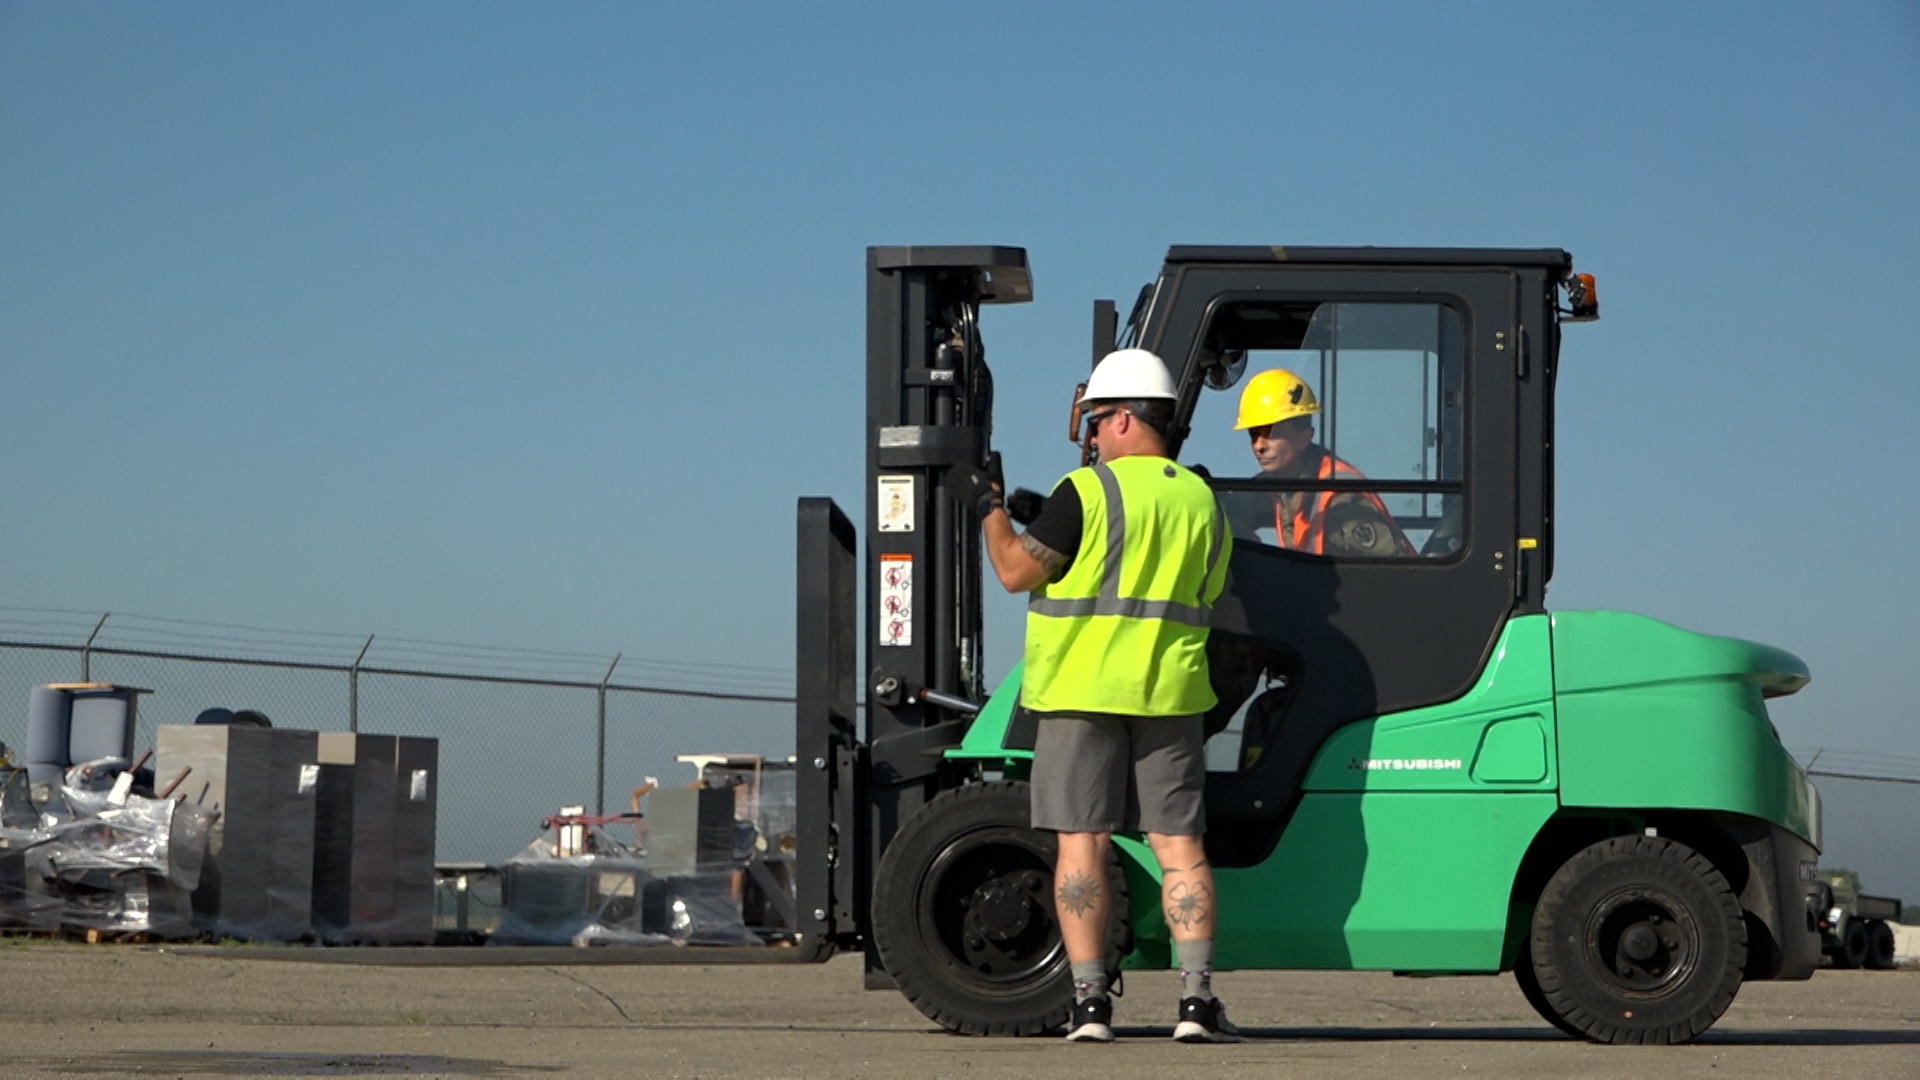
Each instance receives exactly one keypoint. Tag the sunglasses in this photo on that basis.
(1093, 421)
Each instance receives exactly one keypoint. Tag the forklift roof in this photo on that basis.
(1552, 258)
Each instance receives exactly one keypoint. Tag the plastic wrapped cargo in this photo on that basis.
(25, 901)
(700, 909)
(123, 901)
(584, 886)
(374, 823)
(762, 798)
(119, 862)
(586, 899)
(258, 881)
(120, 831)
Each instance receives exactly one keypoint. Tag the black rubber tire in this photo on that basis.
(1853, 949)
(1523, 973)
(1638, 939)
(1879, 946)
(968, 860)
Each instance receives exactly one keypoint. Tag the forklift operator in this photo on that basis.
(1276, 412)
(1124, 564)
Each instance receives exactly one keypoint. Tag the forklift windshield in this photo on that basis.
(1367, 461)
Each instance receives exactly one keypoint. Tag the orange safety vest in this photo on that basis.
(1307, 529)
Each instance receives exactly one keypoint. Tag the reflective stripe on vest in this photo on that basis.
(1109, 601)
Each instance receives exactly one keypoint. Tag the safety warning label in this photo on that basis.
(896, 599)
(895, 503)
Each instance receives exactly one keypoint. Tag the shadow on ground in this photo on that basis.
(241, 1063)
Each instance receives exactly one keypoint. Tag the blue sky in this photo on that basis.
(525, 325)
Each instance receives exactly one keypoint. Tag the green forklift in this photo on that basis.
(1415, 766)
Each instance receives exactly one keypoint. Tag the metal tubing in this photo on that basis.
(86, 651)
(600, 751)
(353, 687)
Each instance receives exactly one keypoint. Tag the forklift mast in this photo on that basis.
(929, 411)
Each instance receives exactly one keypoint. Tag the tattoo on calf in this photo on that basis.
(1078, 894)
(1188, 904)
(1044, 555)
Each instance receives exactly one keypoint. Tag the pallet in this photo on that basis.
(91, 935)
(118, 937)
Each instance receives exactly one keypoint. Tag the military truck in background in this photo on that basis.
(1854, 927)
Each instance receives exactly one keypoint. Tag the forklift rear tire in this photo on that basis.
(1879, 946)
(1523, 973)
(1854, 949)
(963, 914)
(1637, 939)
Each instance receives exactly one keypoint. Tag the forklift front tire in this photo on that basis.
(963, 915)
(1637, 939)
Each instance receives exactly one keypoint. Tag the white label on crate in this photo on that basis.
(896, 503)
(896, 599)
(417, 791)
(309, 779)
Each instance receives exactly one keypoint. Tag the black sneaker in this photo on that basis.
(1092, 1020)
(1204, 1021)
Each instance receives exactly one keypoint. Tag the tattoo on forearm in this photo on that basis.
(1078, 894)
(1188, 904)
(1044, 555)
(1201, 865)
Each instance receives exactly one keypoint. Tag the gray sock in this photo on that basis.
(1089, 980)
(1196, 968)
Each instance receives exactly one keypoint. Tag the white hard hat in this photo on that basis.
(1129, 375)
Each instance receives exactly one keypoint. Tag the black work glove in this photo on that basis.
(979, 486)
(1025, 504)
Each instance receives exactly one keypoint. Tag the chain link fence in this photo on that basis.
(524, 732)
(521, 732)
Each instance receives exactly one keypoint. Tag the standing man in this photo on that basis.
(1124, 564)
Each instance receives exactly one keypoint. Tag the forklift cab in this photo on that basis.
(1433, 375)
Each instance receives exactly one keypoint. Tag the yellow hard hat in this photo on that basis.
(1273, 396)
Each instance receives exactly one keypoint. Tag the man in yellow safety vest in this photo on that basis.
(1124, 564)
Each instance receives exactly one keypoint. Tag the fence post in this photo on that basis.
(86, 651)
(600, 751)
(353, 688)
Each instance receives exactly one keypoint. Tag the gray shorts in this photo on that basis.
(1120, 774)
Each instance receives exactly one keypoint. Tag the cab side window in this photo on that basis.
(1335, 428)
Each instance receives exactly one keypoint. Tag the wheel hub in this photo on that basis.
(1640, 942)
(988, 910)
(1637, 942)
(1000, 911)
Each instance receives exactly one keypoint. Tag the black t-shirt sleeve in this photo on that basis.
(1058, 525)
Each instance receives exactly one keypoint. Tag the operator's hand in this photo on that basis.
(1025, 504)
(979, 486)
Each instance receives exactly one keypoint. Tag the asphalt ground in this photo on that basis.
(90, 1010)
